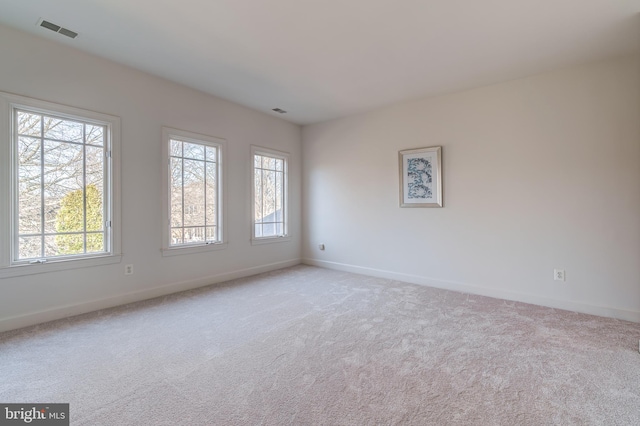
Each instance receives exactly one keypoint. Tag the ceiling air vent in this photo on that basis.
(57, 28)
(281, 111)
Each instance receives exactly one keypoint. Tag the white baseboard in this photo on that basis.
(33, 318)
(602, 311)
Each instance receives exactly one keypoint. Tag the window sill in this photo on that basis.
(178, 251)
(269, 240)
(58, 265)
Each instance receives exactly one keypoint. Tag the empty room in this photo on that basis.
(289, 212)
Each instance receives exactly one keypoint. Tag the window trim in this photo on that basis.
(167, 250)
(258, 150)
(8, 179)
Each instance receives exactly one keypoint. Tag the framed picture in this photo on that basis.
(421, 177)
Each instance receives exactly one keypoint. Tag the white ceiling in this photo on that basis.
(322, 59)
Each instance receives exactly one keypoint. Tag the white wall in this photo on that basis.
(41, 69)
(539, 173)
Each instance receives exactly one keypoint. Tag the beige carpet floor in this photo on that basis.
(309, 346)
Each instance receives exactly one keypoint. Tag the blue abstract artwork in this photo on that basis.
(419, 178)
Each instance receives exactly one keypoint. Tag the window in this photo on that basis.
(59, 183)
(269, 177)
(193, 192)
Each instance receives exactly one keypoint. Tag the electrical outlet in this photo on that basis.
(321, 246)
(128, 269)
(558, 274)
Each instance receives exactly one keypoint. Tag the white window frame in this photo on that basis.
(9, 267)
(258, 150)
(169, 133)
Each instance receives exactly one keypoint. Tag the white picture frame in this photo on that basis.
(421, 177)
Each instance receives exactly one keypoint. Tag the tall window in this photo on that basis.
(61, 198)
(194, 187)
(270, 216)
(60, 186)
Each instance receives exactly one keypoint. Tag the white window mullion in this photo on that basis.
(42, 194)
(276, 220)
(280, 220)
(106, 188)
(262, 185)
(204, 195)
(84, 187)
(182, 225)
(219, 182)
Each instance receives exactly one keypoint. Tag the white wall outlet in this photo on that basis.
(128, 269)
(558, 275)
(321, 246)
